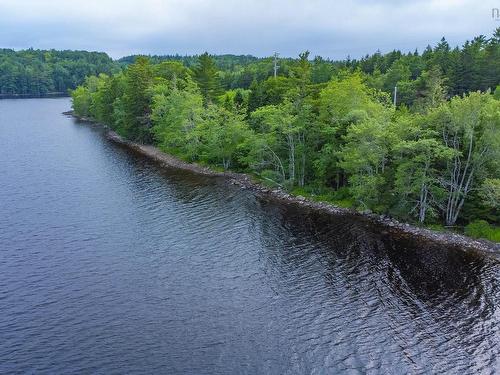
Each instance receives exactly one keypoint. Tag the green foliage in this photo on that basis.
(235, 100)
(348, 105)
(175, 116)
(170, 70)
(282, 132)
(436, 227)
(340, 198)
(430, 90)
(82, 101)
(364, 157)
(326, 130)
(490, 192)
(103, 100)
(496, 94)
(470, 129)
(418, 155)
(205, 75)
(221, 134)
(136, 99)
(270, 178)
(482, 229)
(40, 72)
(344, 95)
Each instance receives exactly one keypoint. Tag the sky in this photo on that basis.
(328, 28)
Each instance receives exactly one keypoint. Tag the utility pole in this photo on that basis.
(276, 66)
(395, 94)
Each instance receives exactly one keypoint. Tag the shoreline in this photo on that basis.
(52, 95)
(389, 225)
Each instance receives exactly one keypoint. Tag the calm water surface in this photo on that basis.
(111, 265)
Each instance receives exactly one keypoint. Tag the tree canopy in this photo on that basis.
(329, 130)
(40, 72)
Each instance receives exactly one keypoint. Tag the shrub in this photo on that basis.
(482, 229)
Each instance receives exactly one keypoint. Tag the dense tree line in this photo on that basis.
(240, 71)
(41, 72)
(433, 159)
(223, 62)
(474, 66)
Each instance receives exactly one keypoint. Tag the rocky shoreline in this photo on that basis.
(389, 225)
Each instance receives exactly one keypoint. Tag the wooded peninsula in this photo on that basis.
(415, 136)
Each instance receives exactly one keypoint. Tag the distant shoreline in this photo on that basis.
(389, 225)
(29, 96)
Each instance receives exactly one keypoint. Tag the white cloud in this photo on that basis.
(258, 27)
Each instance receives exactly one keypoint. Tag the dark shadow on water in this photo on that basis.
(438, 276)
(339, 267)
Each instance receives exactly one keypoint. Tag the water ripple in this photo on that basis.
(111, 265)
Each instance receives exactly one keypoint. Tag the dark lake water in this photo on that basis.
(111, 265)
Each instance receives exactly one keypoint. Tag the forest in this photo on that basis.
(415, 136)
(43, 72)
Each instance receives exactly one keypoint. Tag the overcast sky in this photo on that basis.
(325, 27)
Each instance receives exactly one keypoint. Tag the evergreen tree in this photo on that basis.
(137, 98)
(205, 75)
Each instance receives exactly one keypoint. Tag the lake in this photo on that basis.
(111, 264)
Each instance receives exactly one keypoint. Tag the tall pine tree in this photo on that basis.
(205, 74)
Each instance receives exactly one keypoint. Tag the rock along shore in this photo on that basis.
(387, 224)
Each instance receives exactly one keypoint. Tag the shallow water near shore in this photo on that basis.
(111, 264)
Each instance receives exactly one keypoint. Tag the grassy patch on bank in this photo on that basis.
(482, 229)
(337, 198)
(436, 227)
(478, 229)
